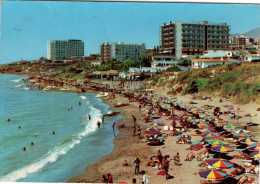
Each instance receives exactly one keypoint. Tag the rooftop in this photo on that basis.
(253, 55)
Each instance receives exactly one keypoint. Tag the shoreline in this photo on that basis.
(124, 142)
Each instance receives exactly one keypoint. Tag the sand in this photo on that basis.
(128, 148)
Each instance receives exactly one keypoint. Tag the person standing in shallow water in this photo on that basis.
(89, 117)
(98, 124)
(114, 126)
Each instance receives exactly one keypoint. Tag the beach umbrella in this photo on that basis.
(221, 149)
(174, 118)
(197, 121)
(209, 135)
(240, 131)
(207, 139)
(213, 174)
(195, 143)
(242, 135)
(250, 115)
(255, 154)
(182, 113)
(253, 148)
(220, 163)
(228, 106)
(253, 144)
(217, 142)
(188, 118)
(197, 147)
(202, 125)
(207, 130)
(152, 128)
(230, 126)
(247, 140)
(152, 132)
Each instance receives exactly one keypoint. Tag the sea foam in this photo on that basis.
(57, 151)
(16, 80)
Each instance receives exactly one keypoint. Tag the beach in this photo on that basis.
(127, 147)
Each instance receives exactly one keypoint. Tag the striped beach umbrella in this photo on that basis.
(209, 135)
(247, 140)
(240, 131)
(221, 149)
(152, 128)
(217, 142)
(220, 163)
(195, 143)
(253, 144)
(253, 148)
(213, 174)
(174, 118)
(207, 139)
(255, 155)
(182, 113)
(250, 115)
(152, 132)
(202, 125)
(242, 135)
(207, 130)
(230, 126)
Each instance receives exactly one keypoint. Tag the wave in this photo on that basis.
(58, 151)
(16, 80)
(26, 88)
(83, 97)
(20, 85)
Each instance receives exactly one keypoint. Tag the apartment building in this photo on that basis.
(180, 38)
(121, 51)
(58, 50)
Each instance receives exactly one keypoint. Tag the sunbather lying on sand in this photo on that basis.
(190, 156)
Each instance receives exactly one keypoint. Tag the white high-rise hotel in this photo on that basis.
(64, 49)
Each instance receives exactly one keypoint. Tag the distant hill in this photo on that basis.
(254, 33)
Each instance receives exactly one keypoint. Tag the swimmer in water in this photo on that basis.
(9, 119)
(71, 108)
(32, 144)
(19, 127)
(24, 149)
(79, 103)
(53, 133)
(35, 135)
(98, 123)
(89, 117)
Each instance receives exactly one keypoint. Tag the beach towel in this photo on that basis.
(197, 147)
(165, 128)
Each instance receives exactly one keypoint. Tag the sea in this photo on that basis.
(77, 141)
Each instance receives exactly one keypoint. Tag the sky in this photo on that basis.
(27, 26)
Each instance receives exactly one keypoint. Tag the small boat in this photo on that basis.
(121, 105)
(47, 88)
(101, 95)
(112, 114)
(108, 98)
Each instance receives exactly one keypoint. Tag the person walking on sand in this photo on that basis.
(134, 118)
(114, 126)
(160, 158)
(139, 132)
(166, 166)
(134, 131)
(98, 124)
(137, 165)
(144, 177)
(89, 117)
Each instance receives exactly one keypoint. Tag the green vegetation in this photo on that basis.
(237, 81)
(184, 62)
(174, 68)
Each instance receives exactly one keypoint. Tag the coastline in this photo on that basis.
(127, 147)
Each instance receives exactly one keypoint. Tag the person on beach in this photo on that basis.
(134, 181)
(177, 159)
(137, 164)
(32, 144)
(134, 118)
(109, 178)
(114, 126)
(89, 117)
(104, 179)
(98, 124)
(160, 158)
(166, 166)
(151, 162)
(140, 107)
(134, 131)
(145, 179)
(139, 132)
(24, 149)
(125, 163)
